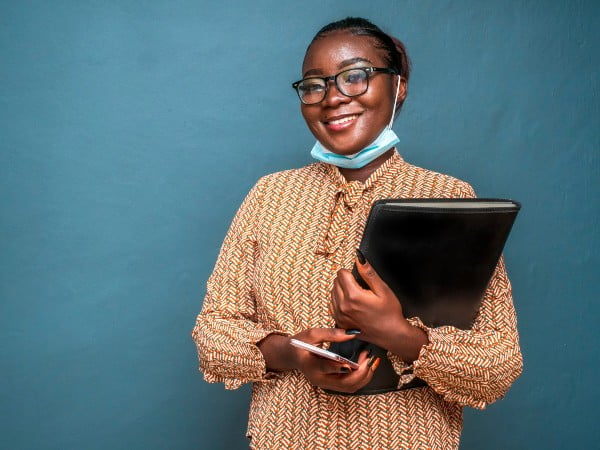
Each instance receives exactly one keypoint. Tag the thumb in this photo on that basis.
(368, 274)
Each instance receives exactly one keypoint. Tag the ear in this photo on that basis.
(401, 92)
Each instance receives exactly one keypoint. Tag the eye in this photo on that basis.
(354, 76)
(311, 86)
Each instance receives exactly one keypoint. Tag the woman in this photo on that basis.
(282, 273)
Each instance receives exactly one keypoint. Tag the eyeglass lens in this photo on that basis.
(350, 82)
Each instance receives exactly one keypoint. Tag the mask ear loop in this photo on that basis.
(395, 101)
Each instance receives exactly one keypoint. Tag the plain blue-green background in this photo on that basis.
(130, 132)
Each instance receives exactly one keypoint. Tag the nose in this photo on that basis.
(333, 96)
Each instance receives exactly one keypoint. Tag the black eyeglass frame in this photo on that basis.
(368, 70)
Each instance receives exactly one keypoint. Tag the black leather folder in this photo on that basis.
(438, 256)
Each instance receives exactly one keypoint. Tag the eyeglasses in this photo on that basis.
(351, 82)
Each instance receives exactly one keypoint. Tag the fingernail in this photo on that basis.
(372, 360)
(361, 258)
(344, 370)
(353, 331)
(375, 364)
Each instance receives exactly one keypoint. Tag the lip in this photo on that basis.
(341, 121)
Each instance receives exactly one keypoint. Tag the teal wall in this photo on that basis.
(130, 131)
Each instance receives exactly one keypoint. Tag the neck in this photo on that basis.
(365, 172)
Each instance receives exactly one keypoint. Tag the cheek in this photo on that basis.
(305, 113)
(310, 117)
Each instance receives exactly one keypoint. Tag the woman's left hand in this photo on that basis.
(377, 312)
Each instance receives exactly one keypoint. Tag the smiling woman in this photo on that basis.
(282, 274)
(344, 124)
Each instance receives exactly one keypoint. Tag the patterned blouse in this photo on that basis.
(274, 274)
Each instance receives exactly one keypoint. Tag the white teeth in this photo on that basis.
(343, 120)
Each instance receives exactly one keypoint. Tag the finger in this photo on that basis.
(352, 381)
(361, 376)
(368, 363)
(317, 336)
(350, 286)
(346, 281)
(350, 289)
(373, 280)
(329, 367)
(364, 356)
(355, 299)
(337, 296)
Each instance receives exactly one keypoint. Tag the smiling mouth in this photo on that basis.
(342, 120)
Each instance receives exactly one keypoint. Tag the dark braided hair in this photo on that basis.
(395, 52)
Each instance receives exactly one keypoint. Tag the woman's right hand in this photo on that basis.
(324, 373)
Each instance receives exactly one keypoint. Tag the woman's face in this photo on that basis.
(345, 125)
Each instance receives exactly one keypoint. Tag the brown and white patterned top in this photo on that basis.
(274, 275)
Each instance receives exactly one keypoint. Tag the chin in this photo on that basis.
(342, 148)
(344, 151)
(346, 146)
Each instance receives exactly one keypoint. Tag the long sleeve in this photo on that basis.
(226, 330)
(474, 367)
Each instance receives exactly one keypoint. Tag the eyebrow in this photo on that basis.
(344, 63)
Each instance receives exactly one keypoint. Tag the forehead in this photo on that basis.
(328, 54)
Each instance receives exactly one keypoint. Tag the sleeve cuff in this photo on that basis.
(406, 371)
(247, 366)
(265, 375)
(416, 322)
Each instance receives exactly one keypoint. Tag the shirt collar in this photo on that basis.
(347, 195)
(390, 168)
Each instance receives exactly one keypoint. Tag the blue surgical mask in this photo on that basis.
(386, 140)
